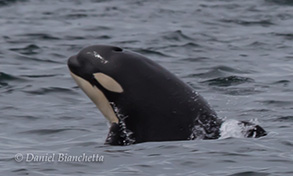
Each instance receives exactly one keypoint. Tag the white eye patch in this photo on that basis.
(108, 83)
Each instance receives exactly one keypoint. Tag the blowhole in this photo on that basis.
(117, 49)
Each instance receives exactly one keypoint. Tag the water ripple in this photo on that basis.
(50, 131)
(228, 81)
(39, 36)
(281, 2)
(288, 36)
(41, 75)
(150, 52)
(76, 16)
(9, 2)
(6, 79)
(37, 59)
(43, 91)
(250, 173)
(277, 103)
(28, 50)
(101, 37)
(285, 119)
(264, 23)
(21, 171)
(176, 36)
(218, 71)
(239, 91)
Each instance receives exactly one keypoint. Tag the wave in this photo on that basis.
(9, 2)
(42, 91)
(264, 23)
(5, 79)
(281, 2)
(51, 131)
(30, 49)
(228, 81)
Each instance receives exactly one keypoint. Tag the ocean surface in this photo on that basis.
(237, 54)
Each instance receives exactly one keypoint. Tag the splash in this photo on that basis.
(207, 129)
(231, 129)
(240, 129)
(125, 135)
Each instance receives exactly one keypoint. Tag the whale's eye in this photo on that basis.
(117, 49)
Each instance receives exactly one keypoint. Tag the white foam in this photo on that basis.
(231, 129)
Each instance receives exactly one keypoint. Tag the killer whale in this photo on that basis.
(142, 100)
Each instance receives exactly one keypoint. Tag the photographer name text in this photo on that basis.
(58, 157)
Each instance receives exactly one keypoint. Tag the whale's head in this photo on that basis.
(93, 69)
(120, 82)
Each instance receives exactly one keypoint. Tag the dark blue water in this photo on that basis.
(237, 54)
